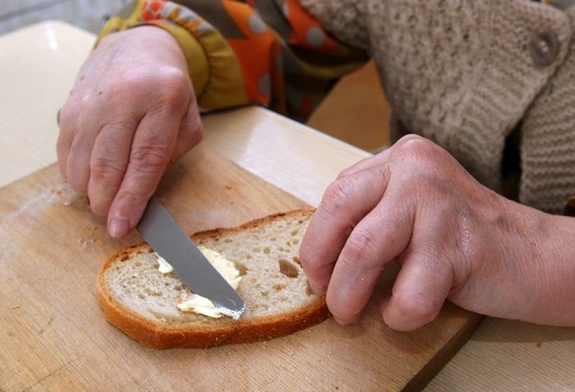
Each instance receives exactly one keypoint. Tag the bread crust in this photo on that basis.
(165, 335)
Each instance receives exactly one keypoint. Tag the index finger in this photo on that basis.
(346, 201)
(151, 152)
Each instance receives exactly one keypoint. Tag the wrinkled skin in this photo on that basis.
(132, 111)
(454, 238)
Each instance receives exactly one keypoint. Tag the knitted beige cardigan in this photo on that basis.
(465, 73)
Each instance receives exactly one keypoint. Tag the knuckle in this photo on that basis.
(105, 169)
(86, 101)
(128, 84)
(362, 247)
(163, 93)
(195, 137)
(150, 157)
(128, 79)
(167, 82)
(416, 147)
(174, 80)
(413, 141)
(411, 138)
(127, 89)
(133, 199)
(338, 195)
(66, 119)
(191, 133)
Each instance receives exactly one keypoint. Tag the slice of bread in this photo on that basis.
(141, 301)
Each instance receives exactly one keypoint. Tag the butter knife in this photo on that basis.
(167, 238)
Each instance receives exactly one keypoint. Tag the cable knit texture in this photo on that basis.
(549, 139)
(461, 72)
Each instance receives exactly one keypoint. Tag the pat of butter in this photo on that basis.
(163, 266)
(196, 303)
(225, 267)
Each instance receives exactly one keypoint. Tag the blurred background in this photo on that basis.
(86, 14)
(356, 111)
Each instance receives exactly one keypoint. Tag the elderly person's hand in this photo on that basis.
(454, 238)
(132, 111)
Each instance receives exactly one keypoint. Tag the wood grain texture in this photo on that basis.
(54, 336)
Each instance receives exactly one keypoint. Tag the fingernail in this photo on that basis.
(118, 227)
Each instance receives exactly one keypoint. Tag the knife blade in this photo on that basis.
(167, 238)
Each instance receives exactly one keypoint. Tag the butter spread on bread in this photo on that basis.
(195, 302)
(163, 266)
(139, 300)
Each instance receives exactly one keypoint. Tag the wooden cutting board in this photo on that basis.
(53, 336)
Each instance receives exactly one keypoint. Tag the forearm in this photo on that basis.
(521, 265)
(551, 248)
